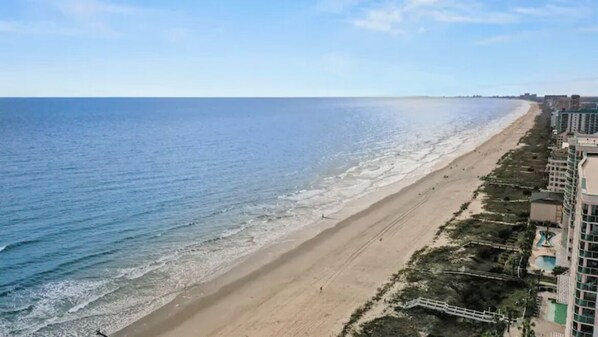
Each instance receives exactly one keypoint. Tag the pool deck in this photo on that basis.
(544, 251)
(544, 324)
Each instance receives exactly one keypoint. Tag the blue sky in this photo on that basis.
(297, 48)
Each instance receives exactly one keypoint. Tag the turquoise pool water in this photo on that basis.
(545, 238)
(545, 262)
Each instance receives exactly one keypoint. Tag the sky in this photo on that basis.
(229, 48)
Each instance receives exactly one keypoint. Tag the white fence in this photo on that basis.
(482, 316)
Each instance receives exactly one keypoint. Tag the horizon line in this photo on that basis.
(286, 97)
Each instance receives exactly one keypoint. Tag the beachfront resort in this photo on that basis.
(519, 259)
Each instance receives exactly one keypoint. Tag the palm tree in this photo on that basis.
(510, 313)
(527, 328)
(538, 273)
(493, 333)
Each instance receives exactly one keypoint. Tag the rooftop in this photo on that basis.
(583, 139)
(547, 198)
(590, 175)
(580, 111)
(560, 154)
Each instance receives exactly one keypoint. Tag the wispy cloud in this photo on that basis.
(72, 18)
(335, 6)
(480, 18)
(391, 18)
(555, 10)
(37, 28)
(382, 20)
(89, 8)
(494, 40)
(399, 15)
(588, 29)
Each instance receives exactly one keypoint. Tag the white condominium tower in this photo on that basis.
(583, 283)
(579, 147)
(557, 170)
(583, 121)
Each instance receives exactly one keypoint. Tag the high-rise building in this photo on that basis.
(575, 102)
(561, 139)
(582, 121)
(528, 96)
(552, 101)
(579, 147)
(557, 170)
(583, 275)
(588, 105)
(563, 104)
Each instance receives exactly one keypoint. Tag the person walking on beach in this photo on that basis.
(320, 289)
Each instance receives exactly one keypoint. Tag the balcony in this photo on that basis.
(585, 303)
(589, 237)
(588, 254)
(581, 334)
(586, 286)
(590, 218)
(587, 270)
(583, 319)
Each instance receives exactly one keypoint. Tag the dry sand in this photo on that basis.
(349, 260)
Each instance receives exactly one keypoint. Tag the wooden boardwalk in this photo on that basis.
(499, 183)
(501, 222)
(481, 274)
(480, 316)
(472, 273)
(493, 245)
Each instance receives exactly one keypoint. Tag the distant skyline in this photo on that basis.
(297, 48)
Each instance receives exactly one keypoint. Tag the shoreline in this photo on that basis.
(276, 291)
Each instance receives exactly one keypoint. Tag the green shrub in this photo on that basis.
(558, 270)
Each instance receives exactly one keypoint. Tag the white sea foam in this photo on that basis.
(91, 299)
(49, 300)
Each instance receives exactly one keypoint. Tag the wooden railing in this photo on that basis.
(492, 244)
(480, 274)
(481, 316)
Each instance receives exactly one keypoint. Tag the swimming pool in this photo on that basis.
(544, 237)
(545, 262)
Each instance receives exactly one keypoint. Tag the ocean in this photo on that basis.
(110, 207)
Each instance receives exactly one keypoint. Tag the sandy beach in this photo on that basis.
(309, 284)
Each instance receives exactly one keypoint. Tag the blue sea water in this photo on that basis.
(110, 207)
